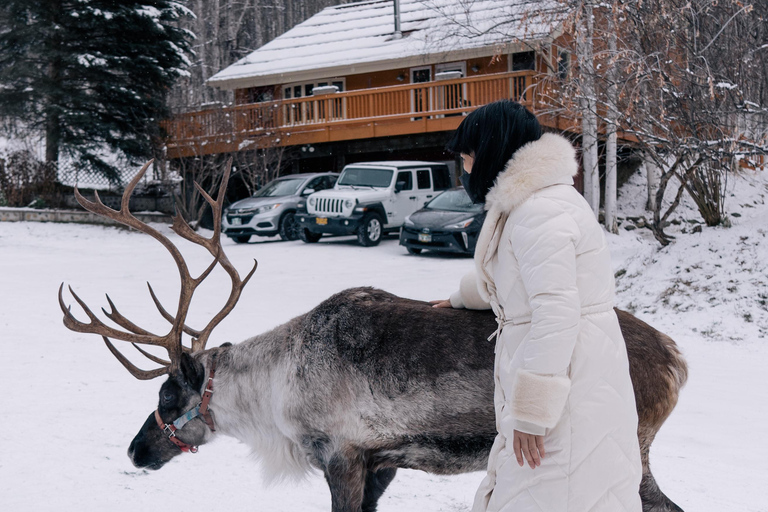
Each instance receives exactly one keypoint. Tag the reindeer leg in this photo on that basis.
(654, 500)
(376, 483)
(345, 473)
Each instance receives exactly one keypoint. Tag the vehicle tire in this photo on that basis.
(309, 237)
(413, 250)
(370, 231)
(241, 239)
(289, 228)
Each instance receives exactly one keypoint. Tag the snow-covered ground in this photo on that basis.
(70, 409)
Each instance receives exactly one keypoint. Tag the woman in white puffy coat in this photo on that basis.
(565, 407)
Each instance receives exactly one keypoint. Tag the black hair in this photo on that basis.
(492, 134)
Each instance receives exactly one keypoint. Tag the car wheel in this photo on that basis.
(289, 228)
(309, 237)
(241, 239)
(370, 231)
(413, 250)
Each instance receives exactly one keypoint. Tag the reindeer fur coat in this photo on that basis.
(543, 266)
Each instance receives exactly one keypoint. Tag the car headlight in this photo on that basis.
(349, 203)
(311, 201)
(408, 221)
(267, 208)
(460, 225)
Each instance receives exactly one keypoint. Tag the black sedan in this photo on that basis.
(449, 223)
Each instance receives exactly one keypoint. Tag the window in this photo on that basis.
(421, 75)
(523, 61)
(304, 89)
(318, 184)
(406, 179)
(563, 64)
(454, 200)
(422, 179)
(365, 177)
(441, 178)
(256, 95)
(279, 188)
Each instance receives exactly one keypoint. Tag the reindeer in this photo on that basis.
(365, 383)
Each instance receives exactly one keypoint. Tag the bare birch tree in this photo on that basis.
(587, 91)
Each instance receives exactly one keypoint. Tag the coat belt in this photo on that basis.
(502, 321)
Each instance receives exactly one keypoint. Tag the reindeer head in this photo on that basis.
(182, 420)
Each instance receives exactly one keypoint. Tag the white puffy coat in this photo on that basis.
(561, 363)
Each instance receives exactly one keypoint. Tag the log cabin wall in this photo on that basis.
(385, 78)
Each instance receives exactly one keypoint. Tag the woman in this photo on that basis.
(563, 396)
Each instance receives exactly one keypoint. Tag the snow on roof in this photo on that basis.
(359, 38)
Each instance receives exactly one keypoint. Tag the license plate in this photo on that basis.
(425, 238)
(322, 221)
(236, 221)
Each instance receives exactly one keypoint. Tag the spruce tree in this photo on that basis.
(90, 75)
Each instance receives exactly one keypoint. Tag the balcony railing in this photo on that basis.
(397, 110)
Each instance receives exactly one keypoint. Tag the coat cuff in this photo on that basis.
(529, 428)
(539, 399)
(468, 295)
(457, 302)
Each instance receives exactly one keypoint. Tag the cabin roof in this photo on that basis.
(359, 38)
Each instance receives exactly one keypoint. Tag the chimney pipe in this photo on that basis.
(398, 32)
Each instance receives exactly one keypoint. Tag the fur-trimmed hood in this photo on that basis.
(551, 160)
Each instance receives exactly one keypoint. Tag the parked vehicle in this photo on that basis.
(271, 210)
(371, 199)
(450, 222)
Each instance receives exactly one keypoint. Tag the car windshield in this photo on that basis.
(279, 188)
(455, 200)
(365, 177)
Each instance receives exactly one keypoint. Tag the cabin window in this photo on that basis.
(563, 64)
(421, 75)
(256, 95)
(304, 89)
(523, 61)
(447, 67)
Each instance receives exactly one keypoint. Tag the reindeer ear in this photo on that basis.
(192, 371)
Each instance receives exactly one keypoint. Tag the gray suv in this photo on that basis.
(271, 210)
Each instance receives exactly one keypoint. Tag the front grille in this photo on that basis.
(329, 205)
(244, 219)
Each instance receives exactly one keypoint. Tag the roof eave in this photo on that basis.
(365, 67)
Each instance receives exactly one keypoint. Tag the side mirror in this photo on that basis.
(399, 186)
(308, 191)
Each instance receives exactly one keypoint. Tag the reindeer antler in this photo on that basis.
(172, 341)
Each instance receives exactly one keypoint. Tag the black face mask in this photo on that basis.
(464, 179)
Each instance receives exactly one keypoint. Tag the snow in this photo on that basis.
(726, 85)
(360, 33)
(70, 409)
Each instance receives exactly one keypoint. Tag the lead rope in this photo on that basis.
(207, 394)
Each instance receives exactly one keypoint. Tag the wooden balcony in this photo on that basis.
(360, 114)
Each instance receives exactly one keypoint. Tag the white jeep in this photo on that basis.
(370, 199)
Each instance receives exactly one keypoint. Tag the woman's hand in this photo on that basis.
(530, 446)
(441, 303)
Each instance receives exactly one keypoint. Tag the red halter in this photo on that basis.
(200, 409)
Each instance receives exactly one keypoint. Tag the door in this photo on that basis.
(450, 96)
(402, 202)
(423, 191)
(420, 98)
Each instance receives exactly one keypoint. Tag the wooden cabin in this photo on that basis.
(380, 79)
